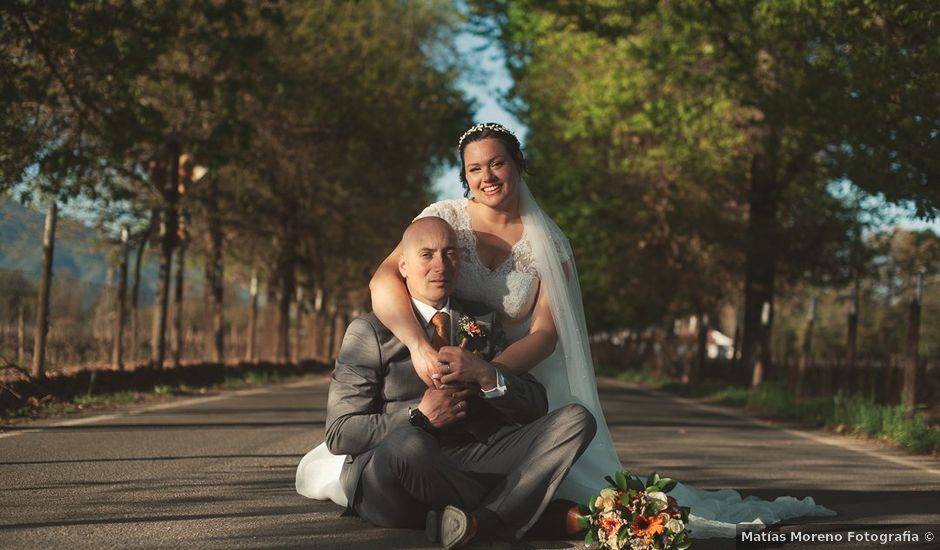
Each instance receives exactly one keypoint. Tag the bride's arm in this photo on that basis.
(392, 305)
(535, 346)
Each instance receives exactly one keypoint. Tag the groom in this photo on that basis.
(478, 458)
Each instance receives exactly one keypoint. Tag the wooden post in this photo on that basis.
(806, 354)
(45, 284)
(250, 351)
(909, 388)
(117, 351)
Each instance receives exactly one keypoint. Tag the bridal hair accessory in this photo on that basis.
(634, 514)
(484, 126)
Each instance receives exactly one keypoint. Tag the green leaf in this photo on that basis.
(636, 484)
(668, 484)
(622, 532)
(590, 505)
(589, 538)
(621, 480)
(652, 479)
(584, 522)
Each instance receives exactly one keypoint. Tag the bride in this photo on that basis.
(515, 260)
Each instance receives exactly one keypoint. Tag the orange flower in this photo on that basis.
(610, 524)
(646, 526)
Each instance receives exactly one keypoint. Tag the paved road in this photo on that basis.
(218, 471)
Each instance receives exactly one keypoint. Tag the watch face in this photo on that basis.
(416, 418)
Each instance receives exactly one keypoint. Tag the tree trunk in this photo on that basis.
(45, 284)
(21, 333)
(135, 296)
(117, 352)
(168, 228)
(701, 355)
(178, 312)
(806, 353)
(214, 275)
(852, 339)
(298, 332)
(283, 313)
(760, 265)
(286, 264)
(909, 389)
(250, 351)
(330, 352)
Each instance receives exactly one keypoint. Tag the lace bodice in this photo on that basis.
(511, 288)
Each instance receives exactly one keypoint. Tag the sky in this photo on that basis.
(487, 81)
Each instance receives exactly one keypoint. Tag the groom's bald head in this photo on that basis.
(429, 261)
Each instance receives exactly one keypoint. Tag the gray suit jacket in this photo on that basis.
(374, 384)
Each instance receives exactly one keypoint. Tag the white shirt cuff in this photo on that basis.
(499, 390)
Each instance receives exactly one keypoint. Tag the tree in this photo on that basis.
(761, 104)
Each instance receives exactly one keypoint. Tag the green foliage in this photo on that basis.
(321, 124)
(855, 414)
(893, 422)
(655, 128)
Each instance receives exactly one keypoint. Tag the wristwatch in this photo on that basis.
(417, 419)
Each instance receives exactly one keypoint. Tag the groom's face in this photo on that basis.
(429, 260)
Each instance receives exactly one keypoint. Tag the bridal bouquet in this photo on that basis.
(631, 514)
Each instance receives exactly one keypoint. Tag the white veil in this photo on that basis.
(568, 374)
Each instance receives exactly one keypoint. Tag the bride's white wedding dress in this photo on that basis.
(543, 255)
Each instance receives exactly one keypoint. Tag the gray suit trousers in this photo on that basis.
(513, 475)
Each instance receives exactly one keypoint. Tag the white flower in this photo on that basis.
(658, 495)
(608, 500)
(675, 525)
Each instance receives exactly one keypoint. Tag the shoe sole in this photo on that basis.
(453, 527)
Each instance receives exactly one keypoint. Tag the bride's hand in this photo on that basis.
(424, 359)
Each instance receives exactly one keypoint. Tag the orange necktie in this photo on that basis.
(440, 336)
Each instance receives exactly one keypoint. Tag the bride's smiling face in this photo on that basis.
(492, 173)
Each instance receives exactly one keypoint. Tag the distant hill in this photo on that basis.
(79, 252)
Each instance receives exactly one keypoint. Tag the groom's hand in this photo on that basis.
(460, 367)
(443, 407)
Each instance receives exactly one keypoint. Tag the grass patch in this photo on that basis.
(861, 416)
(646, 378)
(250, 379)
(106, 399)
(845, 413)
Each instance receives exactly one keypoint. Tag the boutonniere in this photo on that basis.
(472, 335)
